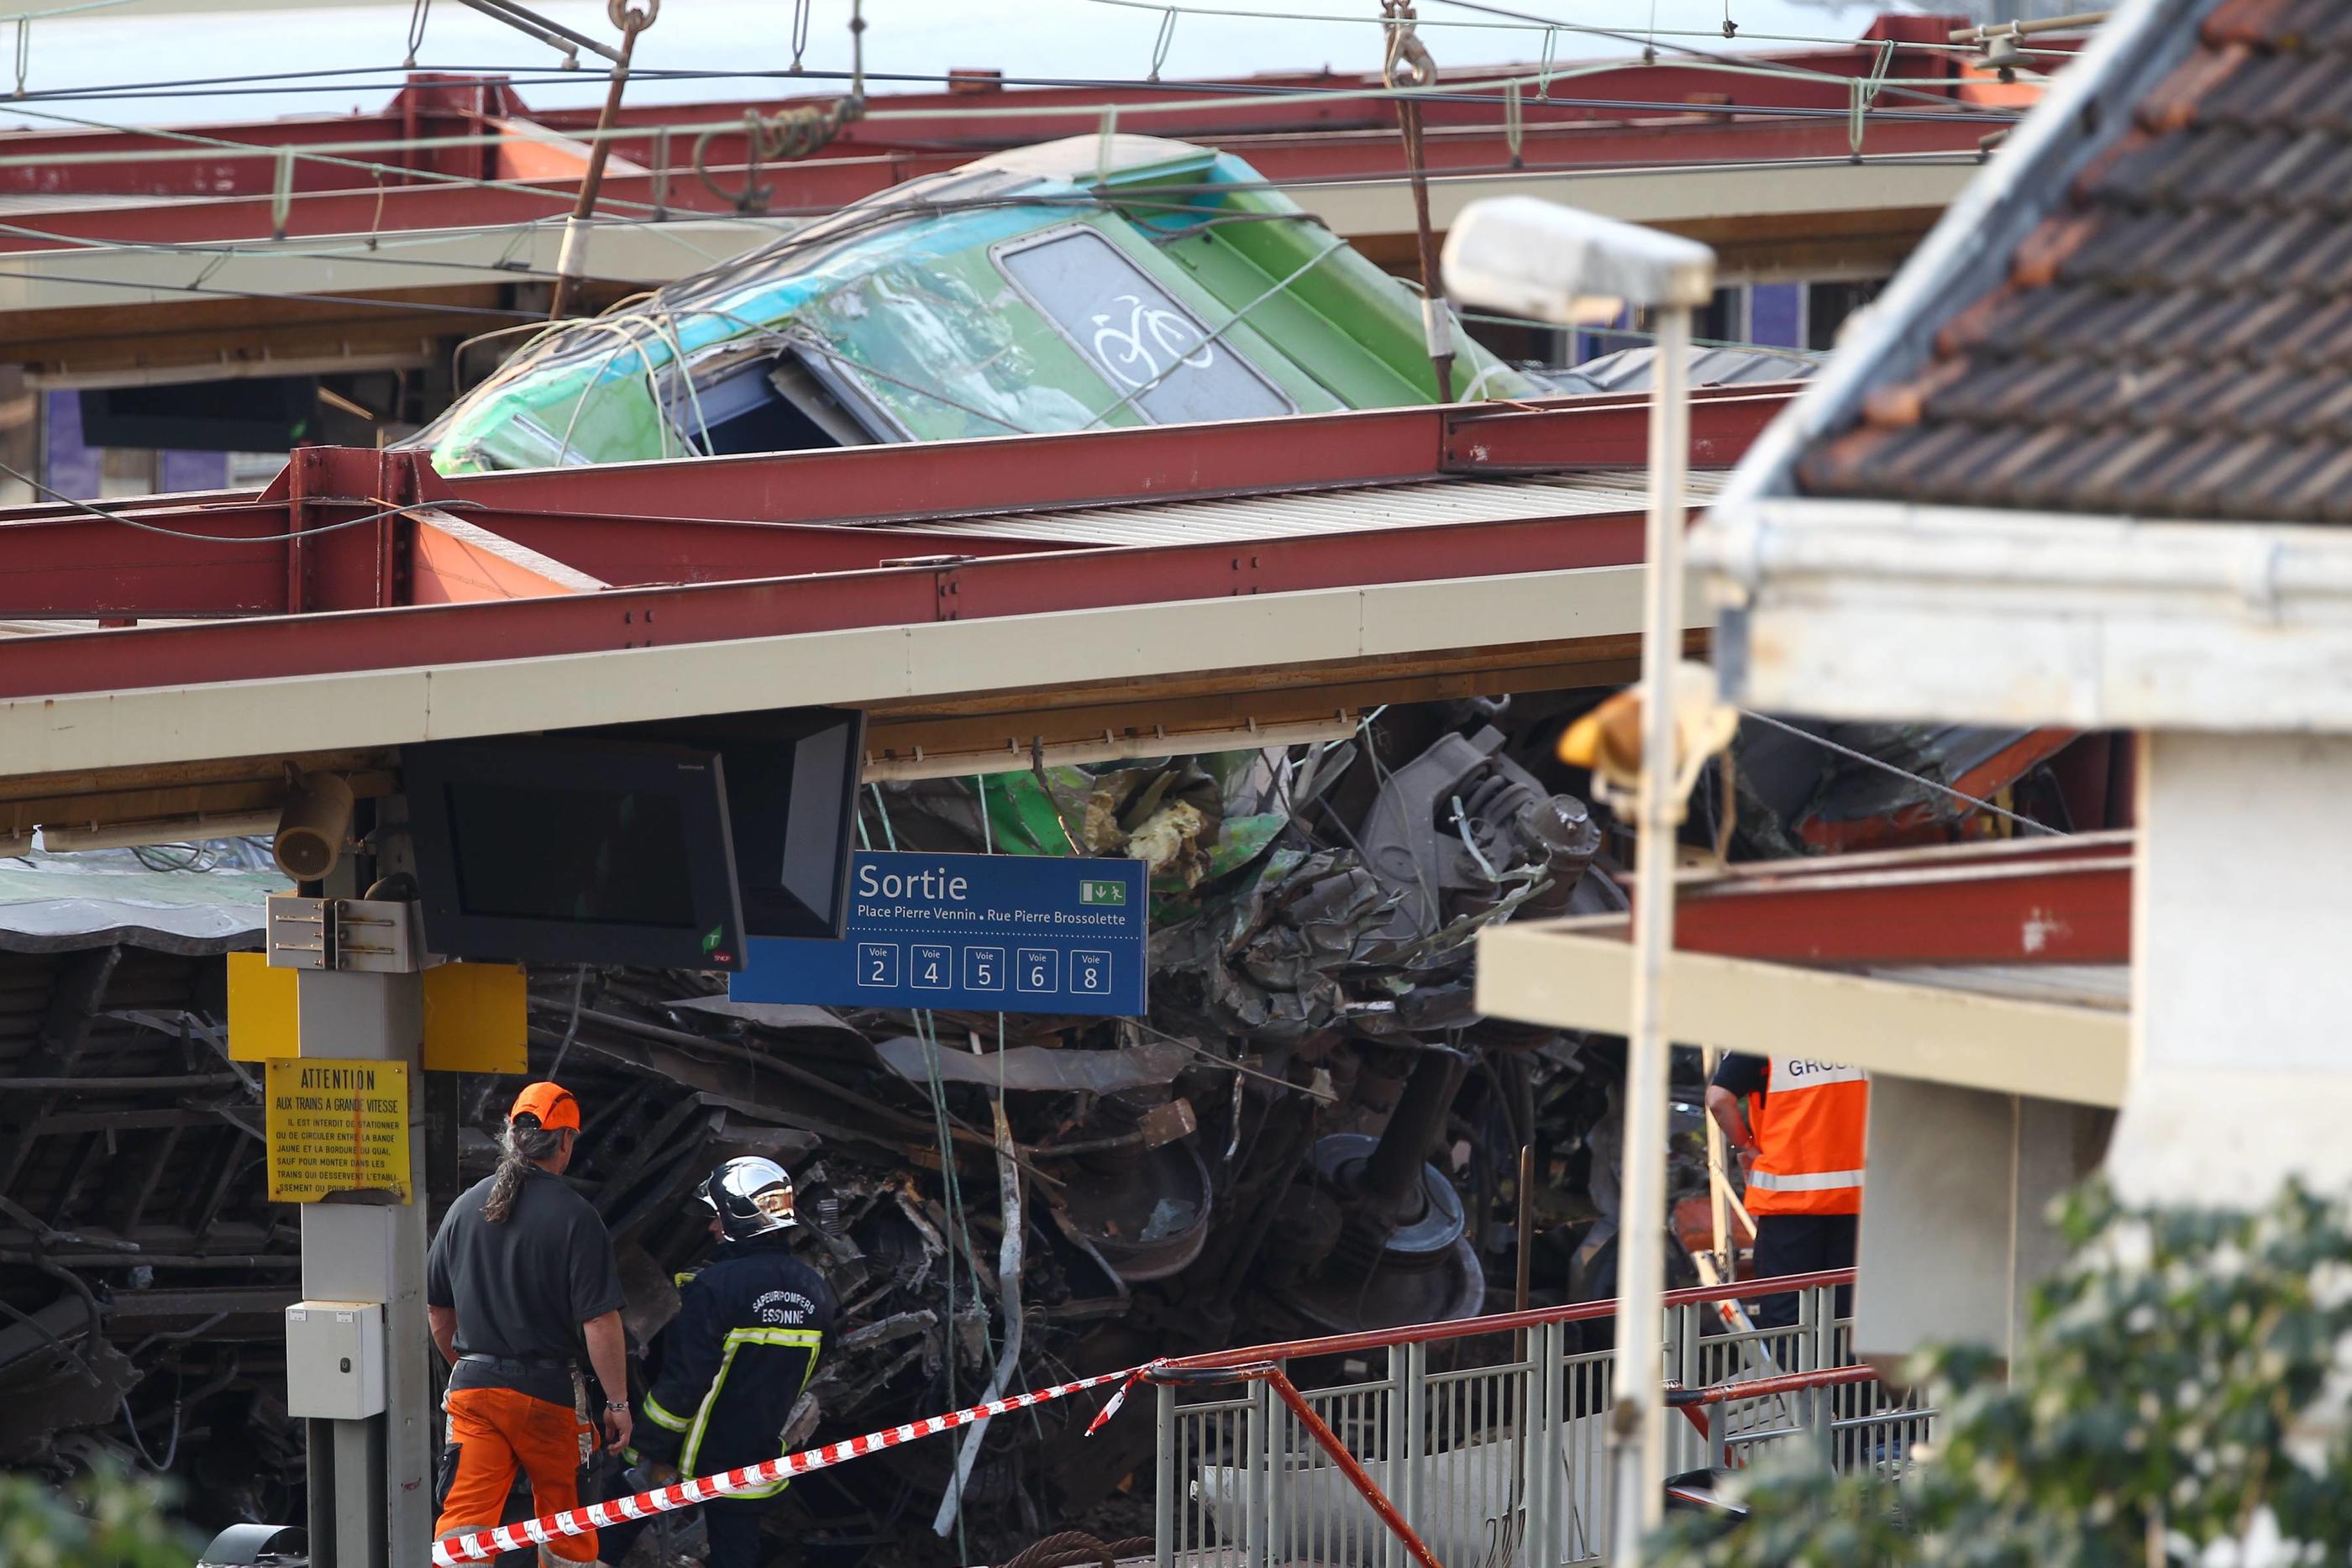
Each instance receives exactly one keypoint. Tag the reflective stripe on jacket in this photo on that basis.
(749, 1330)
(1809, 1126)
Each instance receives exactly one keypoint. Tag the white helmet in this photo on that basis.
(751, 1196)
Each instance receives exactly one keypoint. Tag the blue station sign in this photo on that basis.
(1009, 934)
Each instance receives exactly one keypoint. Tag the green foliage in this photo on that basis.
(104, 1519)
(2181, 1399)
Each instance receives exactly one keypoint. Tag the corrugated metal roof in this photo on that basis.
(1629, 369)
(1360, 510)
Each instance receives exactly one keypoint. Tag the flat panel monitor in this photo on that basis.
(792, 805)
(574, 852)
(264, 414)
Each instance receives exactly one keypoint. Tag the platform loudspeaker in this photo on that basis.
(313, 825)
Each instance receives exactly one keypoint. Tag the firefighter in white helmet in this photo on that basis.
(750, 1329)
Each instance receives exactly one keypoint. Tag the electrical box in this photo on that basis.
(334, 1360)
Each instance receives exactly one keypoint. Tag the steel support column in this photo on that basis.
(378, 1478)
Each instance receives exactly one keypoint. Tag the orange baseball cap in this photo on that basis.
(551, 1103)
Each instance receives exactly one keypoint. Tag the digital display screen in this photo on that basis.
(792, 795)
(574, 852)
(593, 856)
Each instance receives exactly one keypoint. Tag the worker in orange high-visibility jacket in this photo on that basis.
(1799, 1125)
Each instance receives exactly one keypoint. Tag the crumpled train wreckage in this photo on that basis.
(1087, 283)
(1313, 1131)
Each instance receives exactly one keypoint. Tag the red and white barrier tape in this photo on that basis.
(483, 1545)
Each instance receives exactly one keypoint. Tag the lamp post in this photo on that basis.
(1551, 262)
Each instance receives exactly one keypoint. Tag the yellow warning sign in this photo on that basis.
(337, 1125)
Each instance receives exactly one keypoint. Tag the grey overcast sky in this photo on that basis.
(120, 48)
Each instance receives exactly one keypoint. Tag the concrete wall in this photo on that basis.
(1955, 1226)
(2242, 983)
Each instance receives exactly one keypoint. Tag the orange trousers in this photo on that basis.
(498, 1431)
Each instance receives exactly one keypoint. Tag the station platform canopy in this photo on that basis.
(1150, 591)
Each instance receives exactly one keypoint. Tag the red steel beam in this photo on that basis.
(1152, 463)
(443, 635)
(789, 515)
(77, 564)
(2069, 914)
(1536, 437)
(73, 563)
(2067, 902)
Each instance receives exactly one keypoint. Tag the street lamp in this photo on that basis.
(1551, 262)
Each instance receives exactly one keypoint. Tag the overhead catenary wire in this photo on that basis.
(555, 191)
(239, 540)
(67, 245)
(370, 247)
(193, 142)
(1464, 89)
(1489, 89)
(1526, 23)
(291, 83)
(340, 79)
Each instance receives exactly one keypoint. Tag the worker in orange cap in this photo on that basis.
(520, 1280)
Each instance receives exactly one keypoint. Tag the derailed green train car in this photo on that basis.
(1061, 286)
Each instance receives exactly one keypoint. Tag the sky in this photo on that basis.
(119, 47)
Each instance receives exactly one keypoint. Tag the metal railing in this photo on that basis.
(1436, 1421)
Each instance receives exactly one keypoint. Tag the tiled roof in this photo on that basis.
(2175, 339)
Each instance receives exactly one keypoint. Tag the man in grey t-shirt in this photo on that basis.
(520, 1282)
